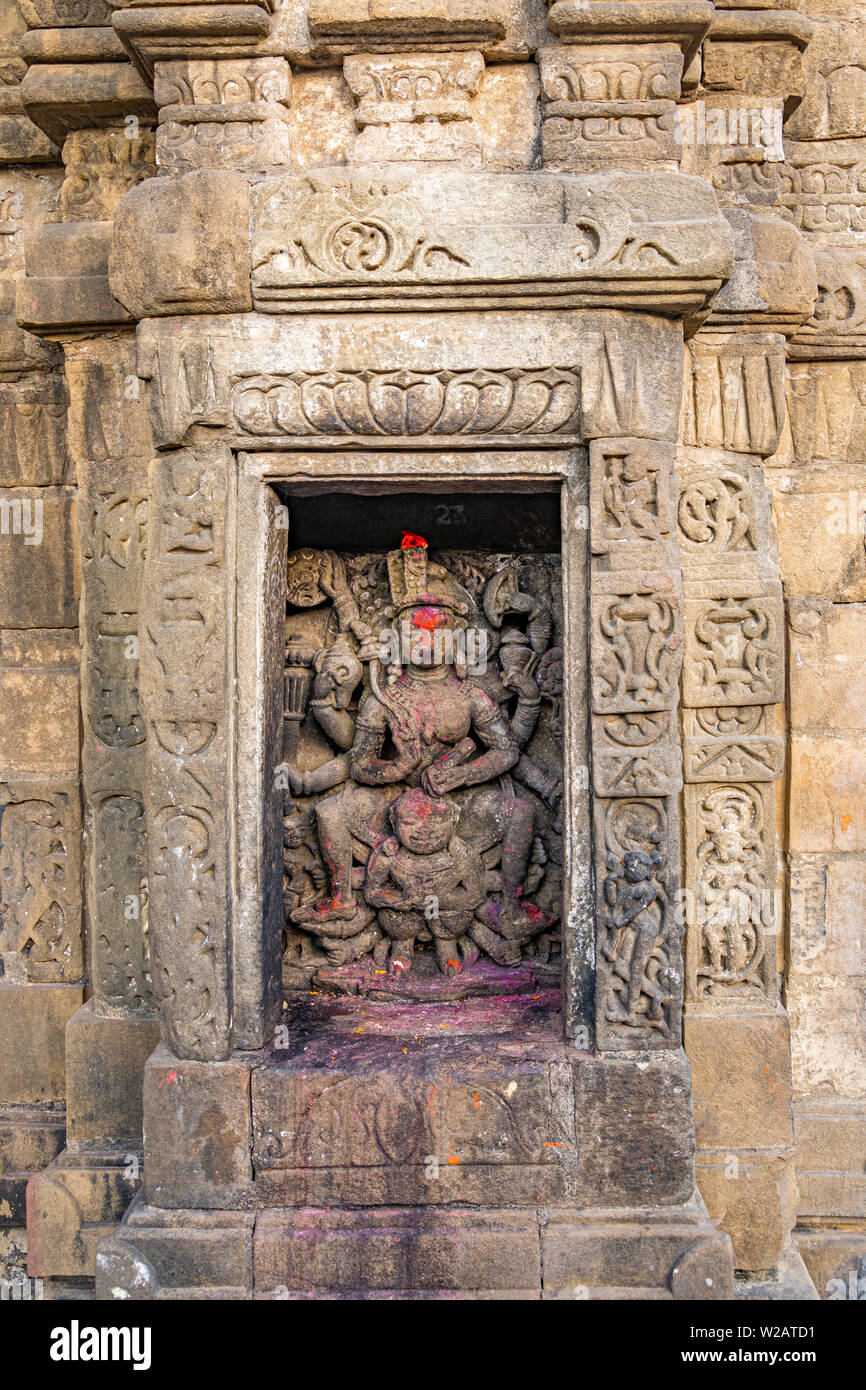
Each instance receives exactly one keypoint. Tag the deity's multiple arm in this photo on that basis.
(495, 732)
(367, 764)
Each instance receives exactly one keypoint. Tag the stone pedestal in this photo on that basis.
(360, 1161)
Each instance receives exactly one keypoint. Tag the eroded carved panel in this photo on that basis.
(716, 514)
(631, 482)
(101, 166)
(119, 948)
(609, 102)
(735, 394)
(827, 411)
(33, 432)
(40, 883)
(184, 642)
(732, 743)
(189, 386)
(636, 754)
(228, 113)
(415, 105)
(821, 188)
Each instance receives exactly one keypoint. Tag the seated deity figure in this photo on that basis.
(425, 878)
(422, 731)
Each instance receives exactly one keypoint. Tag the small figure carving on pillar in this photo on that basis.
(634, 896)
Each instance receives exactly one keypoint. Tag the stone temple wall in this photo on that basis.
(254, 250)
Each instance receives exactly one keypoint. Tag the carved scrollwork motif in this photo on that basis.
(734, 650)
(821, 196)
(355, 233)
(716, 516)
(637, 651)
(377, 1122)
(223, 83)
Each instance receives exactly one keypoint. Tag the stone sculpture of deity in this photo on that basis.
(420, 831)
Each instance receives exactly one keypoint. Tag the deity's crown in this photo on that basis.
(416, 581)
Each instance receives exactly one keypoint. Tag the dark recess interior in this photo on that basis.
(480, 521)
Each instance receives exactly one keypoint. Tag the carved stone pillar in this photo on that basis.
(66, 296)
(185, 637)
(636, 655)
(90, 1184)
(41, 942)
(818, 492)
(737, 1035)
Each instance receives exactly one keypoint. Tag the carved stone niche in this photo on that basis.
(381, 872)
(412, 747)
(422, 722)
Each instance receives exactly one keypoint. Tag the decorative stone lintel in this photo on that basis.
(337, 241)
(622, 377)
